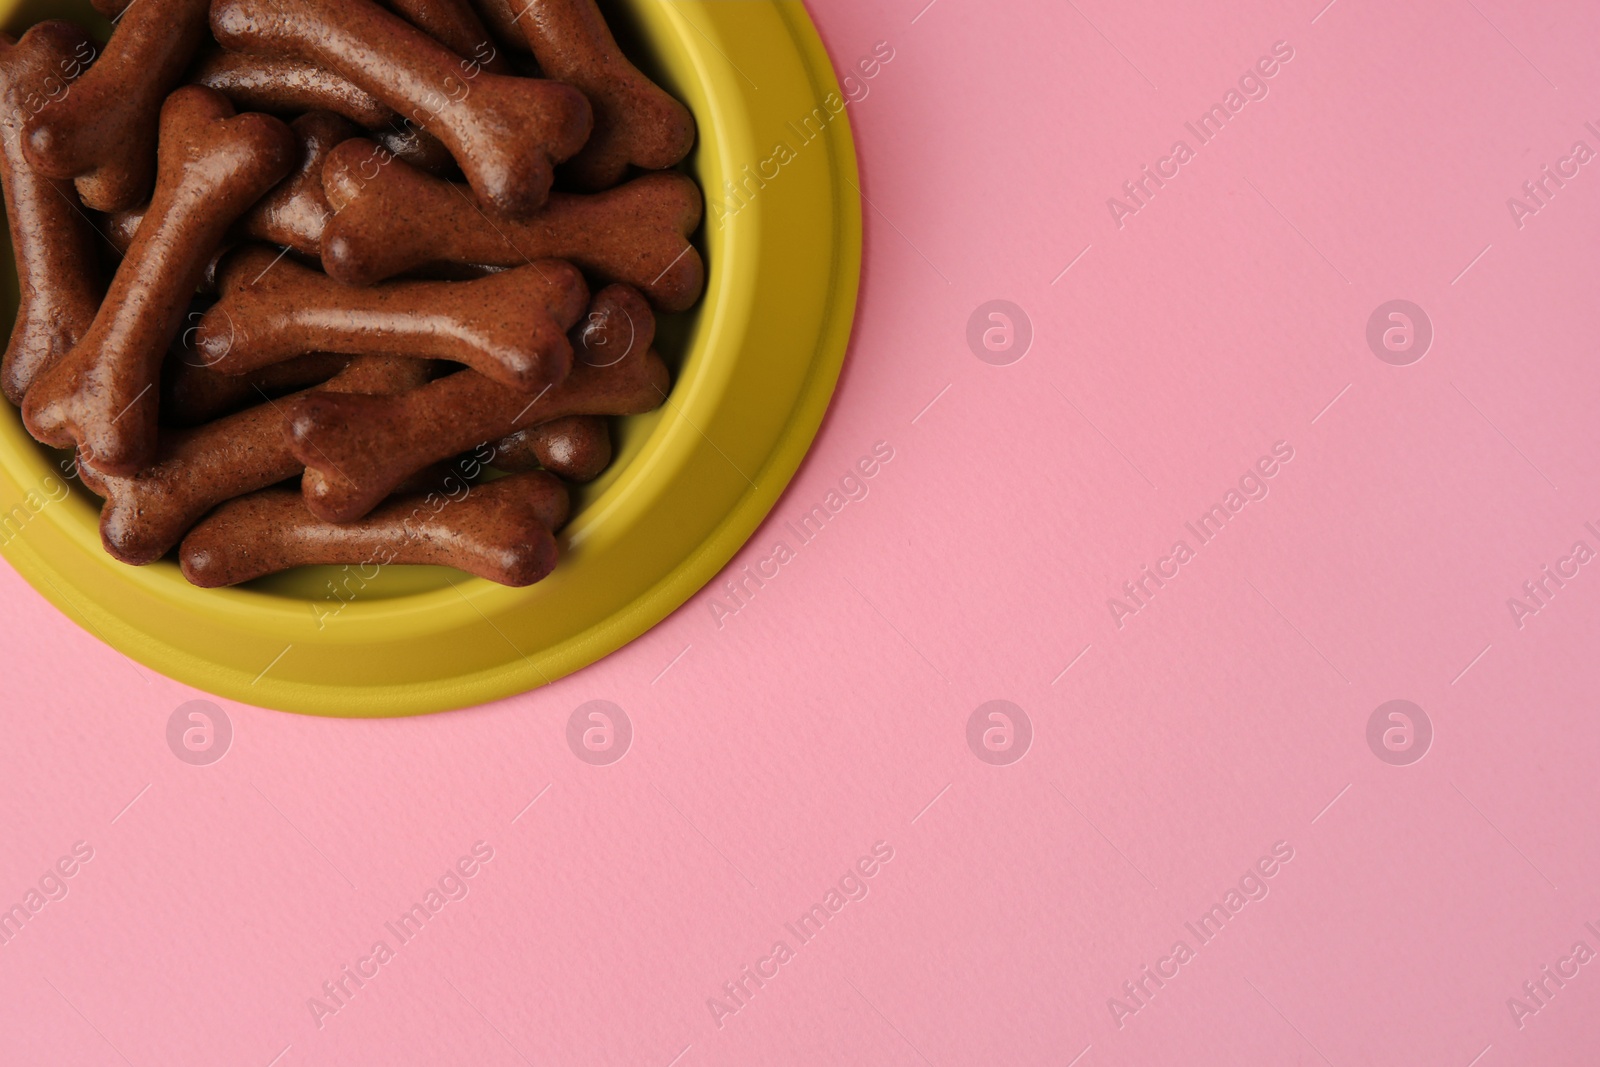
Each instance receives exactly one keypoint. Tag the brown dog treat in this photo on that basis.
(104, 132)
(283, 86)
(510, 326)
(123, 226)
(214, 165)
(58, 272)
(635, 120)
(289, 87)
(357, 449)
(192, 394)
(455, 25)
(279, 85)
(396, 218)
(506, 133)
(577, 448)
(295, 213)
(502, 531)
(147, 513)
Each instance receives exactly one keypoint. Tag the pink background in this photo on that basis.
(830, 712)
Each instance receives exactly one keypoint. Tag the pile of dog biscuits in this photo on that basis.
(308, 281)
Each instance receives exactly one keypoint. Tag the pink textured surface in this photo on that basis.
(1224, 718)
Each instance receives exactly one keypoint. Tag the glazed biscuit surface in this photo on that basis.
(510, 326)
(392, 219)
(280, 85)
(502, 531)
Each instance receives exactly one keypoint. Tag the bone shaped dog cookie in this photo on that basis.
(392, 219)
(103, 133)
(502, 531)
(635, 121)
(214, 165)
(577, 448)
(283, 86)
(507, 133)
(147, 513)
(510, 326)
(123, 226)
(59, 284)
(357, 449)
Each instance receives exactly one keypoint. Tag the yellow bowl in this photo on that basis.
(754, 367)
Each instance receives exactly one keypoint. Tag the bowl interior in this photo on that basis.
(675, 339)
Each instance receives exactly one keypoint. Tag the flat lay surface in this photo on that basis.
(1177, 647)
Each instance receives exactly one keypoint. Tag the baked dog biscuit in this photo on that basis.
(104, 132)
(502, 531)
(393, 219)
(59, 284)
(510, 326)
(102, 396)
